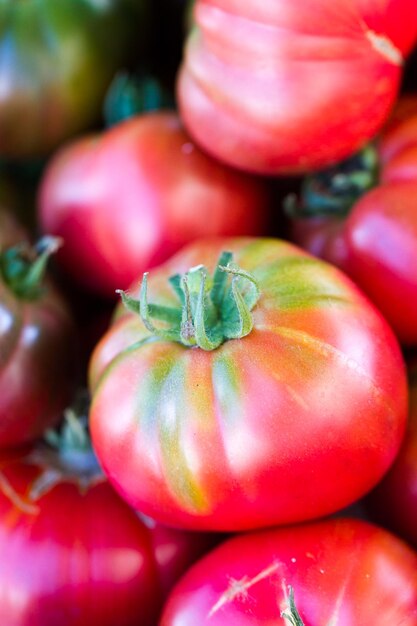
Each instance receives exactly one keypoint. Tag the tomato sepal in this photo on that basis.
(212, 309)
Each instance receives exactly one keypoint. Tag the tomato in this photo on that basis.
(373, 236)
(274, 397)
(272, 88)
(342, 572)
(56, 61)
(37, 351)
(394, 501)
(126, 200)
(73, 552)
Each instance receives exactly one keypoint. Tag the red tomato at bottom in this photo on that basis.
(343, 572)
(74, 554)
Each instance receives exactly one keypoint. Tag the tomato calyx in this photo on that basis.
(130, 94)
(71, 446)
(63, 456)
(23, 267)
(212, 309)
(333, 191)
(291, 614)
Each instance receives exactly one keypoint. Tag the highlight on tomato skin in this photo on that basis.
(339, 571)
(73, 552)
(125, 200)
(247, 384)
(275, 89)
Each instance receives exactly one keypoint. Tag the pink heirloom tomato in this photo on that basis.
(75, 554)
(341, 572)
(362, 217)
(127, 199)
(249, 384)
(274, 87)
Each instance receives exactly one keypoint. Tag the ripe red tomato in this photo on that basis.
(394, 501)
(274, 88)
(74, 553)
(290, 420)
(374, 239)
(126, 200)
(37, 351)
(342, 572)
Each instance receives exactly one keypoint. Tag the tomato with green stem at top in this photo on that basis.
(247, 384)
(38, 356)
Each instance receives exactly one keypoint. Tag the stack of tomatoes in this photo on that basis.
(174, 378)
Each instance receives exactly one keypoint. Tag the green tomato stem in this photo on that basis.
(291, 615)
(133, 94)
(333, 192)
(71, 442)
(22, 267)
(211, 310)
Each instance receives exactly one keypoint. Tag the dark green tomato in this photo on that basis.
(57, 58)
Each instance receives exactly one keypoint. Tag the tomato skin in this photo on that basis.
(345, 572)
(394, 501)
(376, 243)
(295, 420)
(75, 554)
(126, 200)
(37, 365)
(56, 62)
(272, 89)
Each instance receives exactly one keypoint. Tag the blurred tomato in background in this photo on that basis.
(57, 59)
(127, 199)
